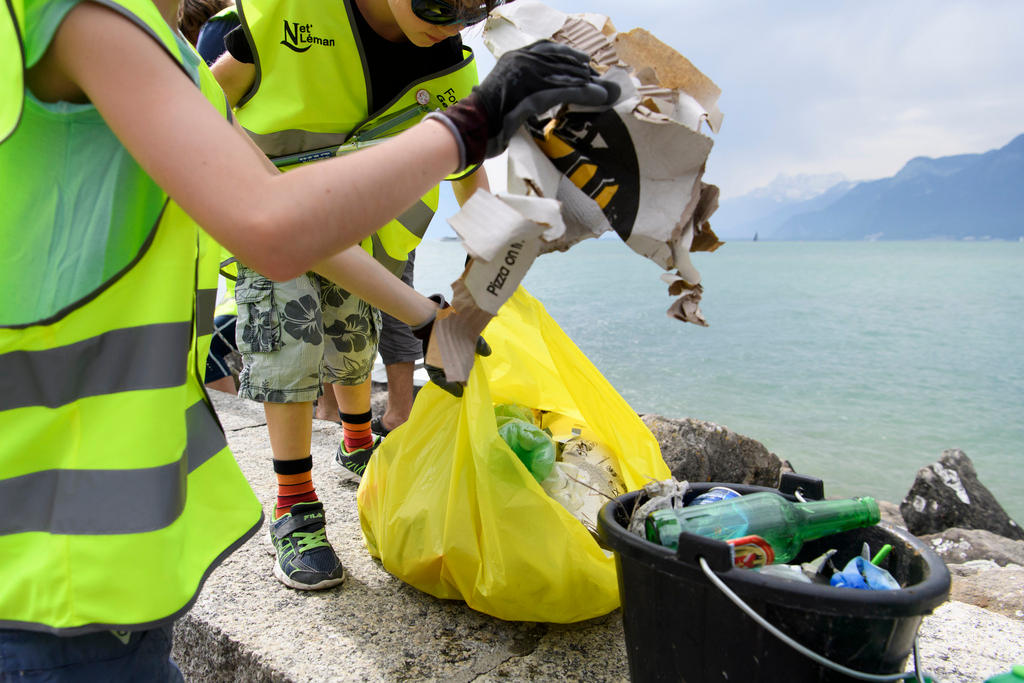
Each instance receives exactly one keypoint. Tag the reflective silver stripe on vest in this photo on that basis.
(292, 141)
(417, 218)
(127, 359)
(206, 303)
(205, 437)
(93, 501)
(381, 256)
(104, 502)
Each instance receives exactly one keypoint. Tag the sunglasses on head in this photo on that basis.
(444, 13)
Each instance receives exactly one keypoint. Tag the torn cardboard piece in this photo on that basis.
(503, 234)
(672, 72)
(636, 168)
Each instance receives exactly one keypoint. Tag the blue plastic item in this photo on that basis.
(860, 573)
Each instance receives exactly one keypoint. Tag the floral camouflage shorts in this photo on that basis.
(296, 335)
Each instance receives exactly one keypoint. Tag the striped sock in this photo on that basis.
(294, 484)
(355, 430)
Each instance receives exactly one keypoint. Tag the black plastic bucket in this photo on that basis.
(679, 626)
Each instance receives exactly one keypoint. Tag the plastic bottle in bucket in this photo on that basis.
(763, 527)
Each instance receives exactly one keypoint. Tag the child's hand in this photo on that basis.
(524, 83)
(435, 373)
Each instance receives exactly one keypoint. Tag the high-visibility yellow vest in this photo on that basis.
(229, 12)
(310, 95)
(227, 305)
(12, 73)
(118, 494)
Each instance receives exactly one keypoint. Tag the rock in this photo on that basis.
(963, 643)
(972, 567)
(703, 451)
(987, 585)
(890, 513)
(947, 495)
(964, 545)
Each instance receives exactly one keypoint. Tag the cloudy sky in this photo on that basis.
(856, 87)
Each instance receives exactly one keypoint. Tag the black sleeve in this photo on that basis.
(238, 45)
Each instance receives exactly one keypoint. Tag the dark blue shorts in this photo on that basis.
(26, 656)
(397, 342)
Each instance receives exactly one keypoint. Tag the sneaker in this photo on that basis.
(356, 461)
(305, 558)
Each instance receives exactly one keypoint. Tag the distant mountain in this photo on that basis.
(763, 214)
(768, 206)
(964, 196)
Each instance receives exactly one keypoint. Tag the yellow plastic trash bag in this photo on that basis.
(448, 508)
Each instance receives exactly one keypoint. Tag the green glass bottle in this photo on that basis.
(764, 527)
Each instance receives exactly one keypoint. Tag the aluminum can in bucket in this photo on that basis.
(715, 494)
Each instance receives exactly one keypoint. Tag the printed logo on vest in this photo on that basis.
(299, 37)
(446, 98)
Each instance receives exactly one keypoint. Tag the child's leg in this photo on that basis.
(280, 335)
(326, 407)
(400, 394)
(352, 329)
(354, 405)
(291, 431)
(399, 350)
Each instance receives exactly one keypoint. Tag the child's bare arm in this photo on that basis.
(356, 271)
(235, 77)
(279, 224)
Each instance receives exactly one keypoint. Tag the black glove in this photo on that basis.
(436, 374)
(524, 83)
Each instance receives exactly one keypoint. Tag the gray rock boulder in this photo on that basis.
(987, 585)
(704, 451)
(955, 546)
(947, 495)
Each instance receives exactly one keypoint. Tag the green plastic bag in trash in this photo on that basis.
(531, 445)
(512, 411)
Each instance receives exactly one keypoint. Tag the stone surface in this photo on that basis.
(947, 495)
(964, 545)
(962, 643)
(246, 626)
(890, 513)
(987, 584)
(695, 450)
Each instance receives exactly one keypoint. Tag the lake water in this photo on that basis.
(859, 362)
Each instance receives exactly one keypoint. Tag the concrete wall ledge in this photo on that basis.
(246, 626)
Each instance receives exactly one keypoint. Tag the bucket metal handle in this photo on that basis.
(916, 674)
